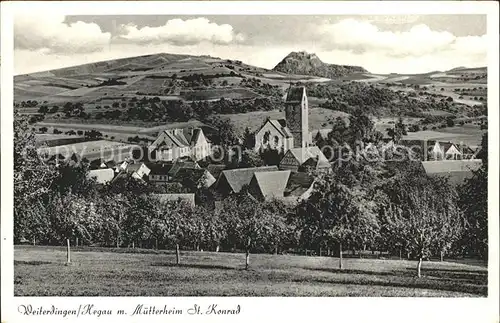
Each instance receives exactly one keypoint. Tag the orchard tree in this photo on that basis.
(474, 203)
(249, 222)
(423, 215)
(73, 217)
(32, 182)
(337, 212)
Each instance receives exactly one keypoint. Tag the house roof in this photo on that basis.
(165, 198)
(316, 163)
(216, 170)
(194, 138)
(102, 176)
(159, 168)
(182, 163)
(298, 183)
(304, 153)
(456, 170)
(237, 178)
(280, 125)
(295, 94)
(134, 167)
(271, 184)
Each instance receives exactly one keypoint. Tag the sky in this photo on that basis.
(381, 44)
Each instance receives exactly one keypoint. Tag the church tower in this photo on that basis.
(297, 116)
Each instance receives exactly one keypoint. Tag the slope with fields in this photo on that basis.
(157, 89)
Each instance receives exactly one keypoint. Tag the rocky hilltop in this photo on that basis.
(303, 63)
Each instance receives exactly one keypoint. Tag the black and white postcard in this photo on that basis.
(243, 161)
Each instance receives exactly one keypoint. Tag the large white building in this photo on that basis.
(176, 143)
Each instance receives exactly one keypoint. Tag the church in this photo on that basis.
(291, 135)
(291, 132)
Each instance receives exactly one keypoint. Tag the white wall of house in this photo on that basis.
(275, 139)
(202, 148)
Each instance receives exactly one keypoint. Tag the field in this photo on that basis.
(468, 134)
(41, 271)
(318, 118)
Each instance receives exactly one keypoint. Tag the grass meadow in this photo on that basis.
(41, 271)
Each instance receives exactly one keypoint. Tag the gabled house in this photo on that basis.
(269, 184)
(296, 157)
(138, 170)
(177, 143)
(194, 179)
(445, 151)
(233, 180)
(159, 173)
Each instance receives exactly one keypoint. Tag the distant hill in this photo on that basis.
(303, 63)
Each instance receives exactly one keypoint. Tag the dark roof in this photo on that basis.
(280, 125)
(216, 170)
(182, 163)
(237, 178)
(316, 163)
(295, 94)
(159, 168)
(298, 183)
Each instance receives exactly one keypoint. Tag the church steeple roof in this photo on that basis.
(295, 94)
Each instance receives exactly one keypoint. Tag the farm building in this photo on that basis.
(456, 170)
(268, 185)
(177, 143)
(102, 176)
(232, 181)
(296, 158)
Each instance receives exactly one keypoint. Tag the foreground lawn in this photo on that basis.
(41, 271)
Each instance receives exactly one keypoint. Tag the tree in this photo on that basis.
(450, 122)
(249, 224)
(250, 158)
(474, 203)
(398, 131)
(422, 215)
(73, 217)
(32, 181)
(336, 212)
(248, 139)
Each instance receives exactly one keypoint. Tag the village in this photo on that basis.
(183, 157)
